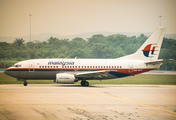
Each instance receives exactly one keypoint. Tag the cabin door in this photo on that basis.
(31, 66)
(130, 67)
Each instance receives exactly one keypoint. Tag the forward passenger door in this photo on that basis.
(31, 66)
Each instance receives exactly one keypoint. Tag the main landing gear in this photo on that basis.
(84, 83)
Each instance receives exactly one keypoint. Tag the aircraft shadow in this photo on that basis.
(80, 86)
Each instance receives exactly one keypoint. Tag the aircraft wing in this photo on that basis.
(158, 61)
(92, 74)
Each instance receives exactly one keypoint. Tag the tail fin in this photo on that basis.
(150, 50)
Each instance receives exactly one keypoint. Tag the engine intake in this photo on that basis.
(65, 78)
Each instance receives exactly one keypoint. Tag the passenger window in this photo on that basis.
(84, 66)
(95, 66)
(78, 66)
(109, 66)
(75, 66)
(50, 66)
(117, 66)
(90, 66)
(87, 66)
(114, 66)
(45, 66)
(56, 66)
(39, 66)
(106, 66)
(65, 66)
(98, 66)
(42, 66)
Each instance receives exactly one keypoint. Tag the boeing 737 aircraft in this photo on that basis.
(68, 71)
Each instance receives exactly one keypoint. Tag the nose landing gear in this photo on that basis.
(25, 83)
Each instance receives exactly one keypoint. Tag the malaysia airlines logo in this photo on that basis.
(149, 48)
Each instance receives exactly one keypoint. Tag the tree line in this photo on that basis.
(98, 46)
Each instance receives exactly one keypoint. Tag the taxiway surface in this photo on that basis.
(96, 102)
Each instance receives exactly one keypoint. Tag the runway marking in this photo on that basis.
(134, 102)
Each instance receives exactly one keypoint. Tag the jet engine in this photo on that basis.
(65, 78)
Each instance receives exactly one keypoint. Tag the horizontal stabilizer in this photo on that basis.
(158, 61)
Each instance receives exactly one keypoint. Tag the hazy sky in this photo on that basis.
(68, 17)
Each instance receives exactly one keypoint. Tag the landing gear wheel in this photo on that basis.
(84, 83)
(25, 83)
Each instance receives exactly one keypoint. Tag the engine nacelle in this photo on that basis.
(65, 78)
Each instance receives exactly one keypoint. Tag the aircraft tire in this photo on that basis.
(25, 83)
(84, 83)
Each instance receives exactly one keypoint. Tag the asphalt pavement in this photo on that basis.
(96, 102)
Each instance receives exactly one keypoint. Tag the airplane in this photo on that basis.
(68, 71)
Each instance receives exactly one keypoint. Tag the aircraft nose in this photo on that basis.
(9, 72)
(6, 72)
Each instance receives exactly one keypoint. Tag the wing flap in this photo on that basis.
(91, 74)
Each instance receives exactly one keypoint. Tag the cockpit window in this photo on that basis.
(16, 65)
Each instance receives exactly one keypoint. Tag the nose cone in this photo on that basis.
(11, 72)
(6, 72)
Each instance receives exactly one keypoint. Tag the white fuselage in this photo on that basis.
(48, 68)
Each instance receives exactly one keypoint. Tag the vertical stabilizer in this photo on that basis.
(150, 50)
